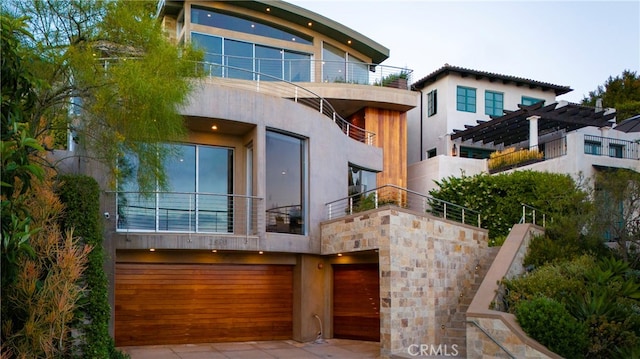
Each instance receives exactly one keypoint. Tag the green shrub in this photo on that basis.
(557, 281)
(609, 339)
(81, 196)
(548, 322)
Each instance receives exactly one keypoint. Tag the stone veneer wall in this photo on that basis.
(495, 334)
(425, 263)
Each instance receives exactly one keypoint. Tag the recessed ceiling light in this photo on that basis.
(214, 127)
(268, 9)
(309, 23)
(261, 252)
(214, 251)
(152, 249)
(339, 254)
(349, 42)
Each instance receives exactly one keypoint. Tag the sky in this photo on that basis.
(570, 43)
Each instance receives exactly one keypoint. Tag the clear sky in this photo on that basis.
(571, 43)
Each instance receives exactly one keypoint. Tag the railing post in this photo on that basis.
(350, 205)
(375, 198)
(463, 215)
(479, 224)
(533, 215)
(444, 212)
(321, 104)
(295, 97)
(399, 197)
(544, 220)
(524, 214)
(348, 127)
(330, 211)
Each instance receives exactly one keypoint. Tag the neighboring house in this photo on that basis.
(468, 115)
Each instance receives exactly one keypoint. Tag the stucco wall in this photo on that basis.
(425, 263)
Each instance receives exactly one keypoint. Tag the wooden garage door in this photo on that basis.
(356, 302)
(199, 303)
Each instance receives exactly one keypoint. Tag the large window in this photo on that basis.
(199, 181)
(285, 183)
(432, 103)
(245, 58)
(221, 20)
(493, 103)
(340, 66)
(592, 148)
(466, 99)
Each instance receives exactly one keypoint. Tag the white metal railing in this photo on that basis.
(188, 212)
(400, 197)
(532, 215)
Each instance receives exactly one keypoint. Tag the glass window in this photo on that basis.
(221, 20)
(199, 180)
(285, 183)
(239, 57)
(333, 64)
(212, 47)
(269, 62)
(357, 71)
(528, 101)
(616, 150)
(361, 180)
(297, 67)
(493, 103)
(592, 148)
(432, 103)
(466, 99)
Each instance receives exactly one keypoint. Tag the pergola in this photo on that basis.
(522, 125)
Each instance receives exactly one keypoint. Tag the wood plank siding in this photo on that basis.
(390, 128)
(356, 302)
(198, 303)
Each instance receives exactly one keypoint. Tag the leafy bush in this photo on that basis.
(548, 322)
(556, 281)
(499, 198)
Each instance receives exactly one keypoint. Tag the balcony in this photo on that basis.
(612, 147)
(513, 157)
(188, 212)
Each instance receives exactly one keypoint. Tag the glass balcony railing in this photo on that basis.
(188, 212)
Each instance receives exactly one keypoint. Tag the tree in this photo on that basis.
(617, 212)
(112, 77)
(621, 93)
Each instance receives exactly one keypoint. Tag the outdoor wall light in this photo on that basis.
(339, 254)
(214, 251)
(261, 252)
(152, 249)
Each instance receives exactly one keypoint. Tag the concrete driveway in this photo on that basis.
(284, 349)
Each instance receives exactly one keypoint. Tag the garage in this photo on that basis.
(356, 301)
(200, 303)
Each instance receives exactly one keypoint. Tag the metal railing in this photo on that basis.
(400, 197)
(519, 157)
(188, 212)
(612, 147)
(531, 215)
(285, 219)
(308, 70)
(265, 83)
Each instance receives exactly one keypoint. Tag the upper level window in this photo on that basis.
(466, 99)
(245, 58)
(528, 101)
(432, 103)
(340, 66)
(198, 199)
(616, 150)
(216, 18)
(493, 103)
(592, 148)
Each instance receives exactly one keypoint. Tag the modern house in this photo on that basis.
(474, 121)
(295, 111)
(275, 224)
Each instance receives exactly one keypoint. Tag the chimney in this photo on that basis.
(598, 105)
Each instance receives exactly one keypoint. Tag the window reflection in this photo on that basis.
(285, 175)
(199, 180)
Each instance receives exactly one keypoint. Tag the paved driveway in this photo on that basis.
(285, 349)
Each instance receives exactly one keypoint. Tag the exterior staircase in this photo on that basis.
(455, 330)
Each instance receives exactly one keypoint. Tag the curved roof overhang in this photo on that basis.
(300, 16)
(513, 127)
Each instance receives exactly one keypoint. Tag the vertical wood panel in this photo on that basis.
(356, 302)
(390, 128)
(198, 303)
